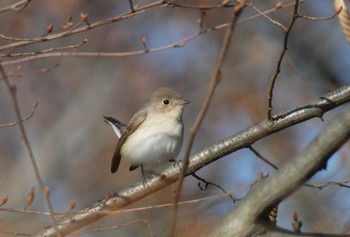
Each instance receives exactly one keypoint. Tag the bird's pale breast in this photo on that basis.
(155, 142)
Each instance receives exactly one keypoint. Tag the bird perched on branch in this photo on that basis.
(154, 134)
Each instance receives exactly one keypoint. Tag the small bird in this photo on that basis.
(154, 134)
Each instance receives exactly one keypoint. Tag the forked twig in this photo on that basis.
(207, 183)
(279, 61)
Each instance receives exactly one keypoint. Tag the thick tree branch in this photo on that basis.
(243, 220)
(198, 160)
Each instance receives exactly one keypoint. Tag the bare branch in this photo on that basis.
(200, 7)
(180, 43)
(151, 6)
(72, 47)
(313, 18)
(18, 6)
(262, 157)
(148, 225)
(24, 119)
(244, 219)
(131, 6)
(341, 183)
(251, 4)
(279, 61)
(207, 183)
(198, 160)
(33, 72)
(204, 108)
(14, 233)
(13, 94)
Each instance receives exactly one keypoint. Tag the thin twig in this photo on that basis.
(262, 158)
(43, 187)
(149, 228)
(200, 7)
(251, 4)
(18, 6)
(136, 209)
(131, 6)
(72, 47)
(33, 72)
(207, 183)
(13, 233)
(279, 61)
(177, 44)
(341, 183)
(204, 108)
(313, 18)
(24, 119)
(151, 6)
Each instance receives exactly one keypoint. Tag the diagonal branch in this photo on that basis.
(23, 119)
(124, 197)
(16, 7)
(204, 108)
(246, 218)
(43, 187)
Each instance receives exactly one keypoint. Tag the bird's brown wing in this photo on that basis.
(135, 122)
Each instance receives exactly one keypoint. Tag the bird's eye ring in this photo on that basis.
(165, 101)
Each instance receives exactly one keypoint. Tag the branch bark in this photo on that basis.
(243, 139)
(247, 218)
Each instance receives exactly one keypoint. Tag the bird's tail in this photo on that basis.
(117, 125)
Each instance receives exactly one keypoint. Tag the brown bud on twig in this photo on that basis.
(49, 28)
(278, 5)
(107, 197)
(30, 197)
(84, 17)
(21, 136)
(219, 76)
(4, 200)
(182, 43)
(73, 204)
(295, 216)
(67, 25)
(10, 73)
(224, 3)
(144, 43)
(238, 9)
(46, 192)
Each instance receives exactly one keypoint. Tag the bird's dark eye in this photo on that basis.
(165, 101)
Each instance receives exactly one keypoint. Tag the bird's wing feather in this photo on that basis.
(135, 122)
(117, 125)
